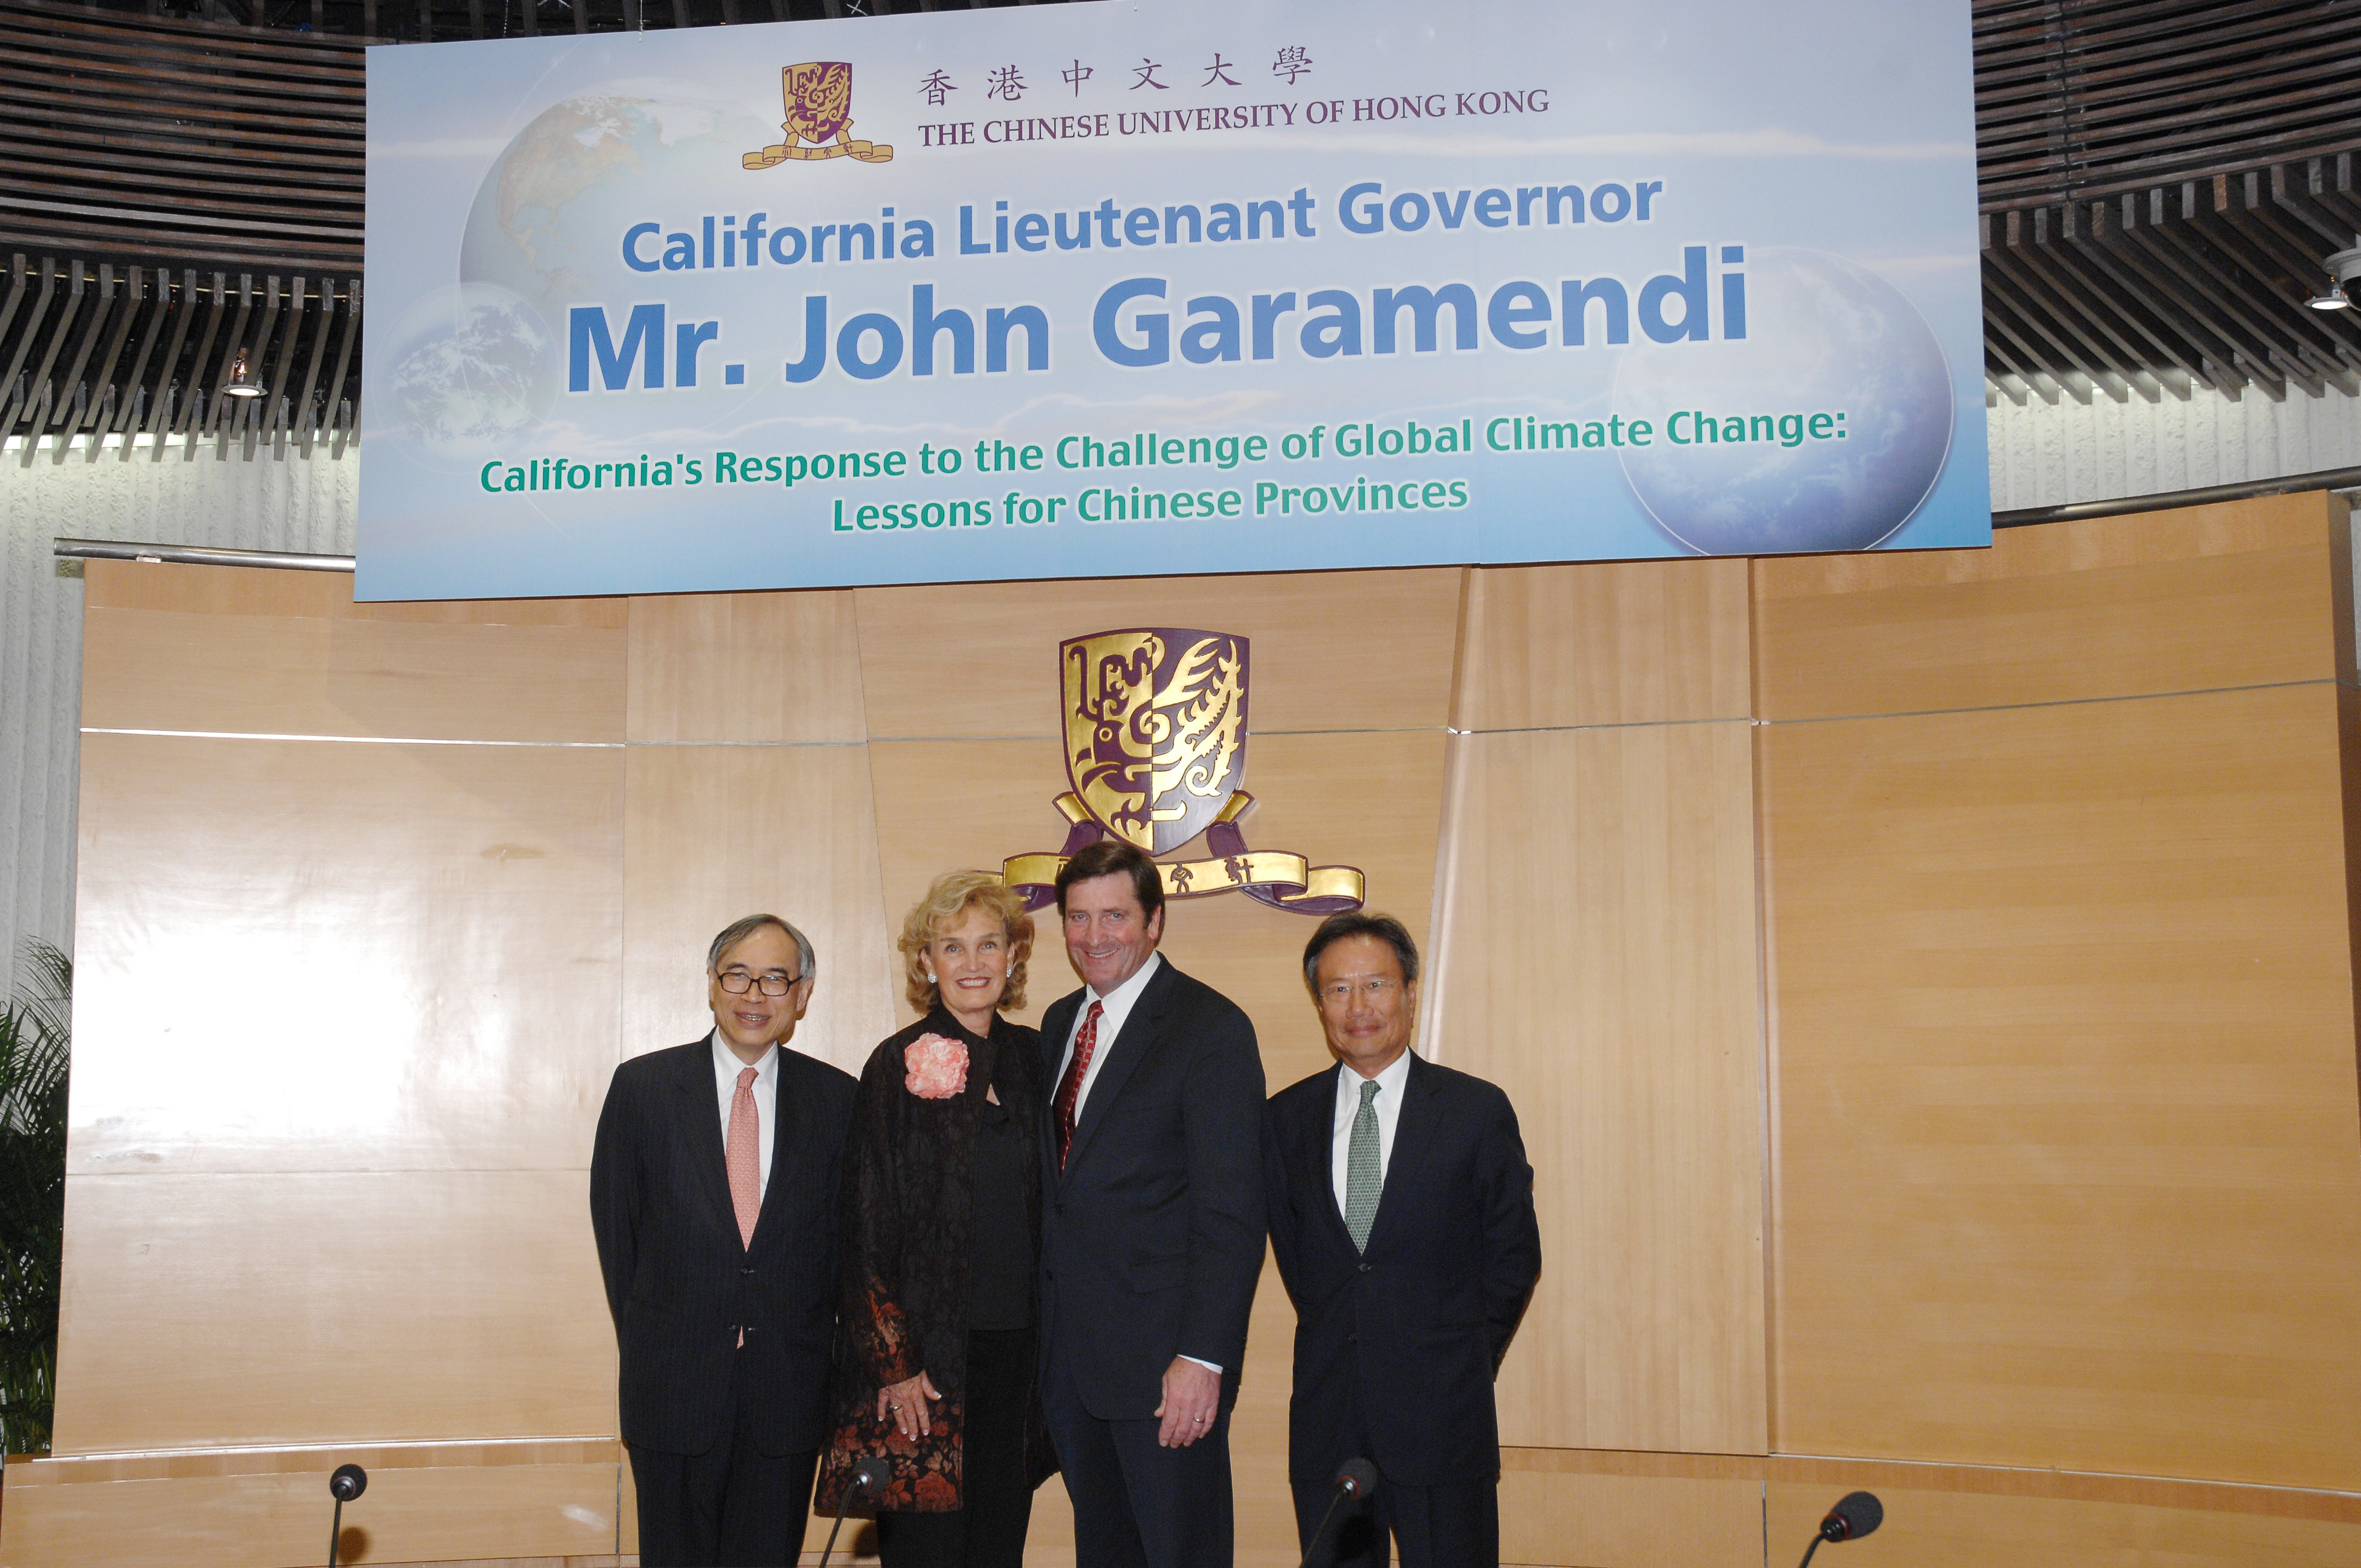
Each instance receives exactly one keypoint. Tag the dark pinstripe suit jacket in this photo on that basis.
(680, 1282)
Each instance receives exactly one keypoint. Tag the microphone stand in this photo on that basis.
(1347, 1484)
(349, 1481)
(863, 1481)
(1314, 1545)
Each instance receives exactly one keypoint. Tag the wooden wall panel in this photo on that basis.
(315, 956)
(750, 791)
(345, 1010)
(1332, 650)
(1931, 1528)
(212, 1311)
(712, 833)
(2069, 1162)
(2070, 1173)
(745, 668)
(1599, 924)
(2239, 594)
(1614, 642)
(242, 591)
(464, 1509)
(162, 670)
(1585, 1509)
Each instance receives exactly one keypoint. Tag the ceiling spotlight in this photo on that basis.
(2344, 278)
(242, 382)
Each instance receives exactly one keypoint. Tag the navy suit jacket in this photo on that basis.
(1152, 1238)
(1411, 1332)
(679, 1281)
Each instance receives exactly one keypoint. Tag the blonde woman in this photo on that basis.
(941, 1246)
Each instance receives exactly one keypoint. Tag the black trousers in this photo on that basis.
(1137, 1505)
(989, 1531)
(731, 1506)
(1456, 1525)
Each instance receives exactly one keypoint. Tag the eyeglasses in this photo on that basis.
(738, 982)
(1343, 990)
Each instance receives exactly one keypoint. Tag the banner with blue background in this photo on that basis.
(1120, 289)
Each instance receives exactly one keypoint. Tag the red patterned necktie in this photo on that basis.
(1071, 1089)
(741, 1153)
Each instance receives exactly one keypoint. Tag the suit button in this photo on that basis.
(1351, 1339)
(749, 1270)
(1365, 1269)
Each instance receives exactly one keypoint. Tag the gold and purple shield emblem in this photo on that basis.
(819, 99)
(819, 111)
(1156, 729)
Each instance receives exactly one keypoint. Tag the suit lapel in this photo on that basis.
(701, 1121)
(1137, 1040)
(1057, 1019)
(786, 1121)
(1057, 1023)
(1413, 1144)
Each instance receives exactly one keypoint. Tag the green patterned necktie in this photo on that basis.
(1363, 1179)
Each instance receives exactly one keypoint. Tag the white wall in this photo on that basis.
(2042, 454)
(2046, 454)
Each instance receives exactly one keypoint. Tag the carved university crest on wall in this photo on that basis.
(1156, 751)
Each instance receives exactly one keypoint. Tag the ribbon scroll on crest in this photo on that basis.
(1275, 877)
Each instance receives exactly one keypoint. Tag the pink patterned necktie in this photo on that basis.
(740, 1154)
(1086, 1042)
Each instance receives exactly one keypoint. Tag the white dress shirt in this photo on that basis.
(1113, 1008)
(726, 1068)
(1387, 1105)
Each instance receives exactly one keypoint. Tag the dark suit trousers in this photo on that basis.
(1451, 1525)
(1137, 1505)
(731, 1506)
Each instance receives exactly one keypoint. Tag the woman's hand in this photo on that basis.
(907, 1402)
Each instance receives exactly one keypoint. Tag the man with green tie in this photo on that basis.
(1401, 1215)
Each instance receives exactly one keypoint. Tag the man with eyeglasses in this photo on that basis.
(1401, 1215)
(713, 1195)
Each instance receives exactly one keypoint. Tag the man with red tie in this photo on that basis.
(1151, 1229)
(713, 1195)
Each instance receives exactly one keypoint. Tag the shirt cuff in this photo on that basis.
(1206, 1364)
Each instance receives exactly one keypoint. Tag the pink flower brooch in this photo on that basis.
(938, 1067)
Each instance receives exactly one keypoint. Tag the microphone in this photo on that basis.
(1357, 1478)
(867, 1478)
(1856, 1514)
(350, 1482)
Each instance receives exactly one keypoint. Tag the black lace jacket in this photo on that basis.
(906, 1239)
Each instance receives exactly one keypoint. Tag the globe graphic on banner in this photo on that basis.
(1824, 334)
(476, 366)
(481, 361)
